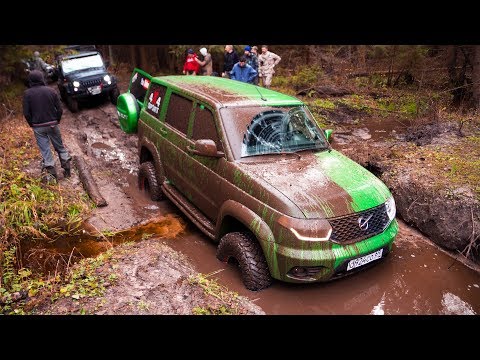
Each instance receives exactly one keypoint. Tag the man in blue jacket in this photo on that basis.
(43, 111)
(243, 72)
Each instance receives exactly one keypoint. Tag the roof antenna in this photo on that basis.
(261, 96)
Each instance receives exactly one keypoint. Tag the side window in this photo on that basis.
(204, 126)
(139, 86)
(155, 99)
(178, 114)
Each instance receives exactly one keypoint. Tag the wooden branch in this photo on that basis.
(88, 182)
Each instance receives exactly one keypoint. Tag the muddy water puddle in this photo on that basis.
(416, 278)
(372, 129)
(54, 256)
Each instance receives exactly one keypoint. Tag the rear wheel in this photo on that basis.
(245, 249)
(148, 182)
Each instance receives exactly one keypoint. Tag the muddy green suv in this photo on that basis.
(251, 168)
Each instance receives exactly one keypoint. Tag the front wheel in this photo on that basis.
(114, 94)
(147, 181)
(245, 249)
(72, 104)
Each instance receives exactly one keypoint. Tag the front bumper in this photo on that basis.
(84, 93)
(327, 260)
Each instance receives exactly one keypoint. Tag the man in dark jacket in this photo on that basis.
(230, 59)
(43, 111)
(252, 60)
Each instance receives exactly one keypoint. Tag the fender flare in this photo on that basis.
(256, 225)
(150, 146)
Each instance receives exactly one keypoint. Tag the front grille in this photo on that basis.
(346, 229)
(94, 82)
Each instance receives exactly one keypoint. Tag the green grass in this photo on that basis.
(225, 302)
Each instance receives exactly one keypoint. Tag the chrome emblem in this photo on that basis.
(363, 223)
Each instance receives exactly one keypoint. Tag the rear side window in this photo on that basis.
(139, 86)
(204, 126)
(178, 114)
(155, 99)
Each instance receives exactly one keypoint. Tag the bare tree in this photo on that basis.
(476, 76)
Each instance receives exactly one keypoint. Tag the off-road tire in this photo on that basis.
(246, 250)
(114, 94)
(72, 104)
(147, 181)
(63, 95)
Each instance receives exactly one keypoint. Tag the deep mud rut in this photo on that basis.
(417, 277)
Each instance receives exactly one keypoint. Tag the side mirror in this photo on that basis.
(206, 147)
(328, 134)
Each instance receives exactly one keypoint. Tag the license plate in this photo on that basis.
(94, 90)
(364, 259)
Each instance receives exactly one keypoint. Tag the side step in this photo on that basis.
(195, 215)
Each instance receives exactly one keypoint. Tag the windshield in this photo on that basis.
(81, 63)
(272, 130)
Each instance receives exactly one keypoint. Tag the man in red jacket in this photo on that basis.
(43, 111)
(191, 66)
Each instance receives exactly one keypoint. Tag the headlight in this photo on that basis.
(76, 84)
(307, 230)
(323, 237)
(108, 79)
(390, 207)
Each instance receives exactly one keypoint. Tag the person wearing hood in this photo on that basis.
(206, 64)
(43, 111)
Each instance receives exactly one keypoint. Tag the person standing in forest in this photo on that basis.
(43, 111)
(38, 63)
(230, 59)
(191, 67)
(206, 66)
(252, 60)
(267, 61)
(243, 72)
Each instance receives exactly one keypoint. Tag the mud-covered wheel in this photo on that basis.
(147, 181)
(245, 249)
(114, 94)
(63, 94)
(72, 104)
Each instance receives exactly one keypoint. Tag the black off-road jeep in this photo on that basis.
(82, 76)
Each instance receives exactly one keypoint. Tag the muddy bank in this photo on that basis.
(420, 169)
(144, 278)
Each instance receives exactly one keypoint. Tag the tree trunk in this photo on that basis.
(362, 57)
(143, 58)
(452, 64)
(110, 55)
(88, 181)
(390, 69)
(133, 58)
(476, 76)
